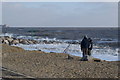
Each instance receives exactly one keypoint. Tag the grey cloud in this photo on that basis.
(62, 14)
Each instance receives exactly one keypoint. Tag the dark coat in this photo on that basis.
(84, 43)
(90, 44)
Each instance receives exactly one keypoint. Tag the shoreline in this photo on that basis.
(56, 47)
(51, 65)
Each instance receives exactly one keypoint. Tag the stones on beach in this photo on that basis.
(5, 42)
(30, 42)
(96, 60)
(50, 42)
(34, 41)
(24, 42)
(52, 52)
(15, 42)
(69, 57)
(9, 40)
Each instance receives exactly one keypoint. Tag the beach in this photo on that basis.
(59, 39)
(39, 64)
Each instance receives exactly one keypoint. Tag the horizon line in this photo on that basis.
(65, 26)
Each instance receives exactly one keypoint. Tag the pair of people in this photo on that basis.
(86, 47)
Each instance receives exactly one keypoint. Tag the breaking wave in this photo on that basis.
(102, 52)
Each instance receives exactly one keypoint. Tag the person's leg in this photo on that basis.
(83, 55)
(83, 52)
(86, 53)
(89, 52)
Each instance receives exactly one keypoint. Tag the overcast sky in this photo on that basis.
(60, 14)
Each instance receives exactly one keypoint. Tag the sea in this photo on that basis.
(105, 40)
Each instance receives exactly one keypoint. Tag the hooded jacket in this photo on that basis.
(84, 43)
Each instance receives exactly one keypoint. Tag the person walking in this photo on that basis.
(84, 48)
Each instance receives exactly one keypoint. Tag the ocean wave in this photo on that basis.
(47, 39)
(105, 53)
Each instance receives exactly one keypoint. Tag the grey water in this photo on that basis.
(105, 40)
(104, 36)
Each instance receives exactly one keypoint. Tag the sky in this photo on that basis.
(0, 13)
(60, 14)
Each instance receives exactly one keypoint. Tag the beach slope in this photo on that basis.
(39, 64)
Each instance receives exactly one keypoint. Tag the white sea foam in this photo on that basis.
(6, 34)
(105, 53)
(102, 40)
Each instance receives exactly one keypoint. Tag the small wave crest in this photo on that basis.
(102, 52)
(74, 49)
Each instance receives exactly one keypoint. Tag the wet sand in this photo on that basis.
(39, 64)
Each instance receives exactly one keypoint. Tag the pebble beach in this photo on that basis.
(39, 64)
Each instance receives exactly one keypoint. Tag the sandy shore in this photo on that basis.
(54, 65)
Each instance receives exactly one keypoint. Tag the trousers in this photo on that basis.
(85, 52)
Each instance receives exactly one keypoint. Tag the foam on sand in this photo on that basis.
(104, 53)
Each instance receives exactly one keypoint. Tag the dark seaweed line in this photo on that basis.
(17, 73)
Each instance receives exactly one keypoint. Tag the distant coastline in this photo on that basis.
(61, 27)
